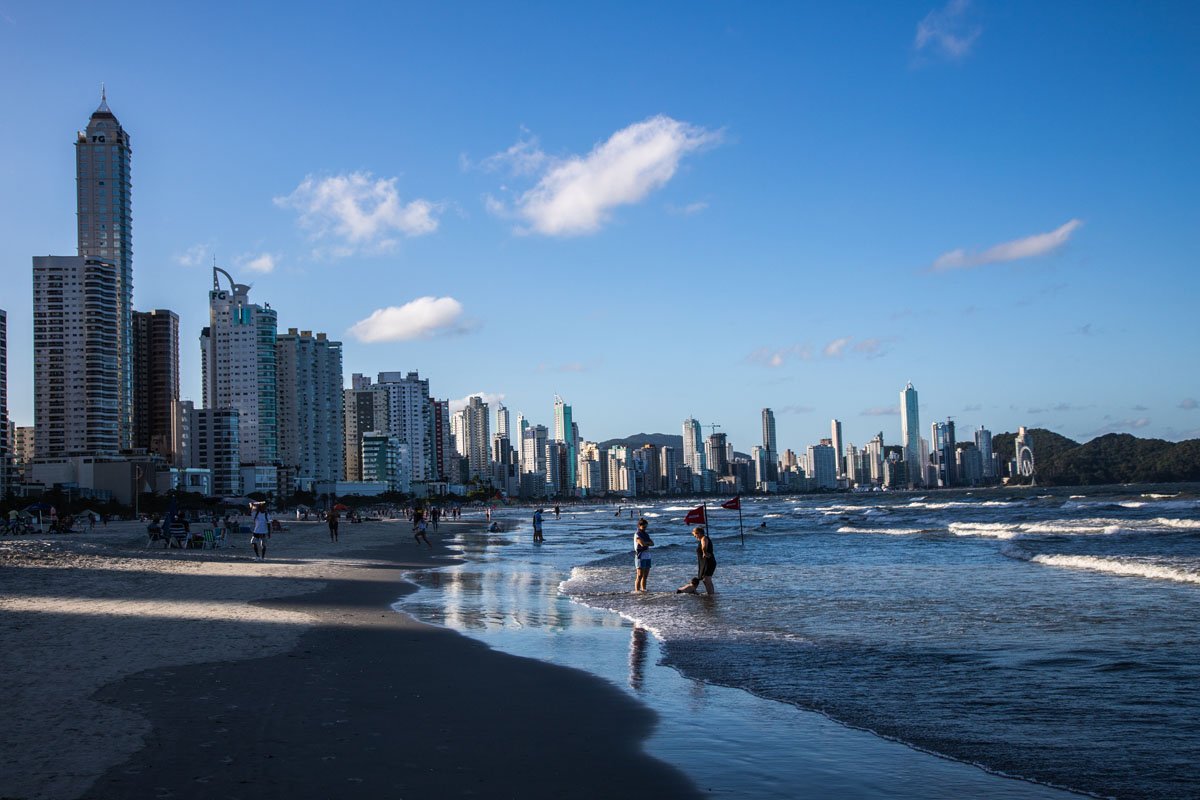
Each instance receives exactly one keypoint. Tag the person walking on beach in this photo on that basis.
(332, 519)
(419, 534)
(537, 526)
(261, 531)
(706, 564)
(557, 512)
(641, 554)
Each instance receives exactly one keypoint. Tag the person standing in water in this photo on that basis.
(706, 561)
(537, 526)
(641, 554)
(332, 519)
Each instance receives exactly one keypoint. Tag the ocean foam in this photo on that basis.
(888, 531)
(995, 530)
(1181, 524)
(1111, 566)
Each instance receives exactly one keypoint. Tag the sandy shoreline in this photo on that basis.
(133, 672)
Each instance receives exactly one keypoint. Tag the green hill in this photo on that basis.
(1112, 458)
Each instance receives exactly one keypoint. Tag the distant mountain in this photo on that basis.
(640, 439)
(1112, 458)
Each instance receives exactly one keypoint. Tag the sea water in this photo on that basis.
(1048, 635)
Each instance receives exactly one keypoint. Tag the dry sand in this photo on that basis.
(134, 672)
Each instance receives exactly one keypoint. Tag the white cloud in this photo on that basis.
(880, 411)
(491, 398)
(1189, 404)
(577, 195)
(835, 348)
(1120, 426)
(418, 319)
(359, 211)
(194, 256)
(1031, 246)
(523, 158)
(948, 30)
(260, 262)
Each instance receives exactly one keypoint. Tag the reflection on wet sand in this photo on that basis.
(637, 657)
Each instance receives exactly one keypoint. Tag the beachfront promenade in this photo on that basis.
(134, 672)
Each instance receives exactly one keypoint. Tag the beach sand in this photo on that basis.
(133, 672)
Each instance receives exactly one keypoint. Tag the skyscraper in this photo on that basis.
(770, 444)
(105, 219)
(155, 380)
(910, 435)
(983, 440)
(365, 408)
(502, 420)
(439, 426)
(838, 453)
(309, 406)
(564, 431)
(76, 357)
(478, 445)
(716, 453)
(238, 368)
(408, 418)
(693, 446)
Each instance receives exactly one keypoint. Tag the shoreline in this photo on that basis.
(318, 688)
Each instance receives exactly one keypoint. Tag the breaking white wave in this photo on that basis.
(888, 531)
(1113, 566)
(994, 530)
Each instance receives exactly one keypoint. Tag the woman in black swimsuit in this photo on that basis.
(706, 562)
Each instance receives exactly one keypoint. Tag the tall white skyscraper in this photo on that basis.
(311, 415)
(983, 441)
(502, 420)
(409, 413)
(76, 353)
(693, 446)
(838, 453)
(239, 369)
(564, 431)
(534, 450)
(910, 435)
(105, 220)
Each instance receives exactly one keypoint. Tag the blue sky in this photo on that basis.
(655, 210)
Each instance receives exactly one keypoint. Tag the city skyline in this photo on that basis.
(1019, 255)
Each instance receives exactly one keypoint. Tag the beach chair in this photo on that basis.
(210, 538)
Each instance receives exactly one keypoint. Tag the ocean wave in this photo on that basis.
(994, 530)
(1181, 524)
(888, 531)
(1153, 496)
(1123, 567)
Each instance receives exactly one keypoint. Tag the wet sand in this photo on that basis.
(167, 673)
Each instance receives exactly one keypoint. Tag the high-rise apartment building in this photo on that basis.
(365, 407)
(693, 446)
(716, 452)
(944, 451)
(439, 426)
(770, 444)
(983, 441)
(502, 420)
(668, 459)
(238, 366)
(822, 468)
(565, 432)
(476, 429)
(155, 380)
(76, 355)
(910, 435)
(218, 448)
(105, 220)
(534, 449)
(836, 442)
(309, 405)
(409, 414)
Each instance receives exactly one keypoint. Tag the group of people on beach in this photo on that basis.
(706, 561)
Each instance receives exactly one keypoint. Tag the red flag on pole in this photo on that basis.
(733, 505)
(696, 516)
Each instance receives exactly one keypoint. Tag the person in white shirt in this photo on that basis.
(262, 531)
